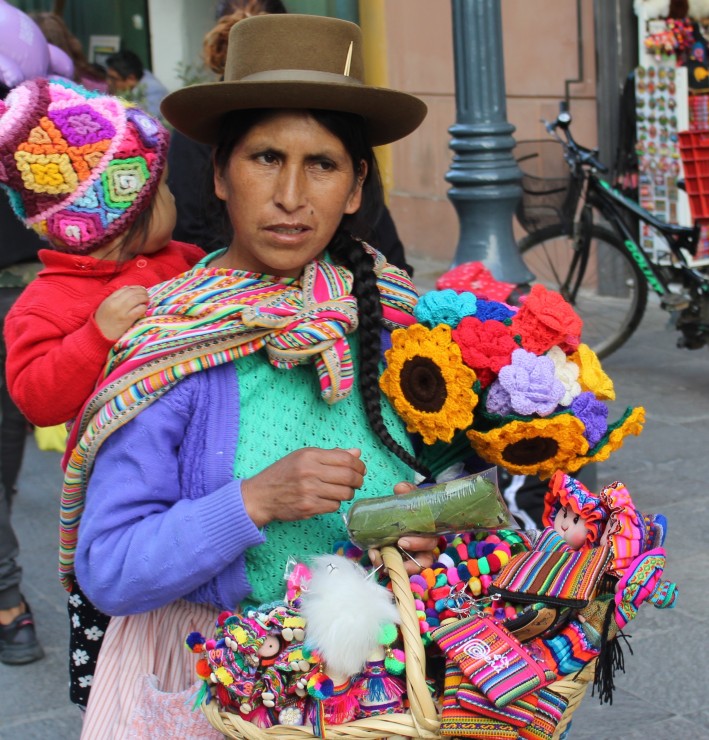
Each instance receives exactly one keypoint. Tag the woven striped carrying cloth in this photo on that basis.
(207, 317)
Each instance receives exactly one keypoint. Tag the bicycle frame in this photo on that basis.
(612, 205)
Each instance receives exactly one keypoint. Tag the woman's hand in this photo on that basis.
(302, 484)
(419, 548)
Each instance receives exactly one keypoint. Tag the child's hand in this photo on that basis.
(121, 310)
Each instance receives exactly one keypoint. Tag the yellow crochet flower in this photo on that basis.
(535, 447)
(427, 382)
(591, 375)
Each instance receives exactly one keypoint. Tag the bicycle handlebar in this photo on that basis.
(582, 155)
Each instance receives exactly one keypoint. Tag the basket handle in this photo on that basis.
(422, 706)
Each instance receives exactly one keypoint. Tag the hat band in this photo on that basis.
(299, 75)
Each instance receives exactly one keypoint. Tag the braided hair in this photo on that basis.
(345, 249)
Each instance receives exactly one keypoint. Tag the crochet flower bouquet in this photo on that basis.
(516, 384)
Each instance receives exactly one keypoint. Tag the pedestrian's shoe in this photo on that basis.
(18, 640)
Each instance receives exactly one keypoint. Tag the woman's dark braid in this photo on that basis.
(349, 252)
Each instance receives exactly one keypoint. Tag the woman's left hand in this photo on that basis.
(420, 549)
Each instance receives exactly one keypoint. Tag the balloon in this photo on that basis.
(22, 41)
(60, 63)
(10, 72)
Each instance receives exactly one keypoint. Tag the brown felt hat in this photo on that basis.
(293, 61)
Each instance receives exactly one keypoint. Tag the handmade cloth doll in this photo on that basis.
(573, 511)
(254, 663)
(565, 566)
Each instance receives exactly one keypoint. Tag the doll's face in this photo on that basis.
(571, 527)
(269, 647)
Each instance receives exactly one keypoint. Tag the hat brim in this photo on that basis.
(196, 111)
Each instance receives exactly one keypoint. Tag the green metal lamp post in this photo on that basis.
(484, 176)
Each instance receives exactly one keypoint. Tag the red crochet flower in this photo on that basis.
(486, 346)
(546, 319)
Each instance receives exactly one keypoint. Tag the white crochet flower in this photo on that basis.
(567, 373)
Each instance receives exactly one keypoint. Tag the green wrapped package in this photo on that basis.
(460, 505)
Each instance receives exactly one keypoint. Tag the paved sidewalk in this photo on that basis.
(661, 695)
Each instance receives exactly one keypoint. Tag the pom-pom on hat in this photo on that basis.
(567, 491)
(78, 166)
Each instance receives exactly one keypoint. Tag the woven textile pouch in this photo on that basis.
(493, 659)
(562, 578)
(518, 713)
(459, 722)
(550, 708)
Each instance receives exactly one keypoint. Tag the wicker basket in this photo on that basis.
(549, 194)
(422, 720)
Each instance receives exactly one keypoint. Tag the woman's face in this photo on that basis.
(286, 186)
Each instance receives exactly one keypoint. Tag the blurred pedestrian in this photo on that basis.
(18, 265)
(128, 78)
(55, 30)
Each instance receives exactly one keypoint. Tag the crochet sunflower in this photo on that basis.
(427, 382)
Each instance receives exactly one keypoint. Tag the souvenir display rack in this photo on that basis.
(664, 108)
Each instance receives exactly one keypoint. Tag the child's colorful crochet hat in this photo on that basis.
(567, 491)
(78, 166)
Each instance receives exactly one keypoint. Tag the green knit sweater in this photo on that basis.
(295, 417)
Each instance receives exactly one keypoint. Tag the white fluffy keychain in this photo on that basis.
(344, 613)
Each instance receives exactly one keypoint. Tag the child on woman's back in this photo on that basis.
(87, 172)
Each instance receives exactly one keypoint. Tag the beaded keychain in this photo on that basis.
(458, 582)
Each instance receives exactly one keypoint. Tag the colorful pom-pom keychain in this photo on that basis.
(459, 581)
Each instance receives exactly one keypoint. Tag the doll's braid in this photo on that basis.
(350, 253)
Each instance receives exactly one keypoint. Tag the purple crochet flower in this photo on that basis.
(444, 307)
(593, 413)
(498, 400)
(493, 310)
(531, 383)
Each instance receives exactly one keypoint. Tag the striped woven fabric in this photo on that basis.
(566, 652)
(459, 722)
(207, 317)
(550, 708)
(518, 713)
(558, 577)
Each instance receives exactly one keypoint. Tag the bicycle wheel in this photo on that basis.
(612, 292)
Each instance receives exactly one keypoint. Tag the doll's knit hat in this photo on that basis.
(78, 166)
(629, 532)
(567, 491)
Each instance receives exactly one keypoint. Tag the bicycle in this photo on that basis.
(604, 272)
